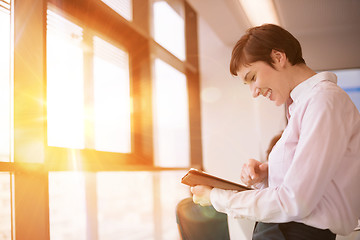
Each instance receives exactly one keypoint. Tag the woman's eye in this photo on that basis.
(252, 79)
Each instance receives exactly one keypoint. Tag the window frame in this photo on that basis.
(131, 36)
(31, 158)
(92, 159)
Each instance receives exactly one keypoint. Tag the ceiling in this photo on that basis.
(328, 30)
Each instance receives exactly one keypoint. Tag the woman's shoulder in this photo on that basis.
(328, 91)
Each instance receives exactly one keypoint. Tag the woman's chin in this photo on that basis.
(278, 103)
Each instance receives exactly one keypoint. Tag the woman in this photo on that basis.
(309, 187)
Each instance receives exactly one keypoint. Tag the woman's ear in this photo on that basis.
(279, 58)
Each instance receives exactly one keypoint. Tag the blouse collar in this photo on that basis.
(303, 89)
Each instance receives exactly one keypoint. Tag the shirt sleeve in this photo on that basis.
(321, 145)
(261, 185)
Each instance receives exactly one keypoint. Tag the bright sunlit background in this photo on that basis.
(123, 7)
(89, 106)
(5, 118)
(5, 207)
(65, 83)
(111, 98)
(4, 85)
(171, 117)
(103, 122)
(168, 28)
(89, 97)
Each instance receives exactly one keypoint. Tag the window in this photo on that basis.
(92, 110)
(111, 98)
(5, 207)
(171, 193)
(349, 80)
(171, 117)
(5, 122)
(125, 205)
(65, 83)
(97, 104)
(5, 82)
(67, 206)
(122, 7)
(168, 27)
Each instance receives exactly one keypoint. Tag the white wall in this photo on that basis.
(235, 127)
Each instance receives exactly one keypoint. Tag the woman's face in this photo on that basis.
(266, 81)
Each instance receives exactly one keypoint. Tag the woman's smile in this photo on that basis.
(268, 94)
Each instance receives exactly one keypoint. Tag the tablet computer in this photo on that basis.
(196, 177)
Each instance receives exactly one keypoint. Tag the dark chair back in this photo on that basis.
(200, 223)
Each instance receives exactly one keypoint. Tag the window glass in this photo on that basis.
(122, 7)
(5, 83)
(107, 112)
(111, 98)
(65, 83)
(172, 192)
(131, 211)
(168, 28)
(67, 206)
(349, 80)
(5, 207)
(171, 117)
(125, 205)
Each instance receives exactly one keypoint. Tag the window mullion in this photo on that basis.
(91, 206)
(193, 80)
(31, 204)
(88, 89)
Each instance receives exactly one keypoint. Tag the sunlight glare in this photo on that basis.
(4, 86)
(67, 205)
(122, 7)
(65, 83)
(5, 206)
(123, 207)
(111, 98)
(171, 117)
(169, 29)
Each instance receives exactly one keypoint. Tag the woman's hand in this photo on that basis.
(254, 172)
(201, 195)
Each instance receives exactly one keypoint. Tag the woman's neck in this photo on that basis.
(299, 73)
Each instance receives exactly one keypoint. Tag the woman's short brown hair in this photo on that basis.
(257, 44)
